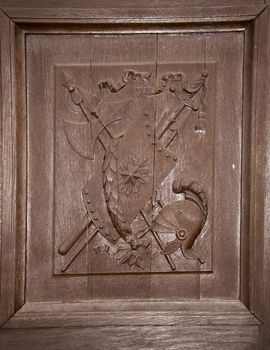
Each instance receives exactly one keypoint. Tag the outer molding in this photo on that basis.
(255, 289)
(8, 178)
(133, 19)
(155, 313)
(131, 14)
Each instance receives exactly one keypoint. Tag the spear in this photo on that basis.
(158, 240)
(186, 102)
(80, 98)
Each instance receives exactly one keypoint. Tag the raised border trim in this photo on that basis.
(131, 313)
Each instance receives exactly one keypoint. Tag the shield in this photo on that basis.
(122, 121)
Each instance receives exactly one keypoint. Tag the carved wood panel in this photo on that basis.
(126, 163)
(132, 128)
(210, 159)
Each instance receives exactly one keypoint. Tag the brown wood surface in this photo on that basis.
(142, 338)
(41, 188)
(123, 3)
(260, 291)
(8, 179)
(260, 181)
(19, 110)
(265, 334)
(177, 325)
(63, 194)
(121, 312)
(132, 14)
(248, 81)
(230, 39)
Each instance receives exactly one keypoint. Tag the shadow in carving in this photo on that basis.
(122, 189)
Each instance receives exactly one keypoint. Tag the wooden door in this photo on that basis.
(134, 196)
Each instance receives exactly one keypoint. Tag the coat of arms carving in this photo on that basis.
(141, 206)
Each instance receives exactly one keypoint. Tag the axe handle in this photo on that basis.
(79, 249)
(74, 235)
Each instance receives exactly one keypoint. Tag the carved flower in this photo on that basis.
(134, 172)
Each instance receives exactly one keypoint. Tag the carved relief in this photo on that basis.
(134, 172)
(185, 218)
(122, 197)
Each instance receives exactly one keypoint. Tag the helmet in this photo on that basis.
(185, 218)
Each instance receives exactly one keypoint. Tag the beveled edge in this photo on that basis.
(130, 19)
(26, 26)
(131, 313)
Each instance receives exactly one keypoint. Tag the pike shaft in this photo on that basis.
(88, 239)
(170, 122)
(75, 234)
(158, 240)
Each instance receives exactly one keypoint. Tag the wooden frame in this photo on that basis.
(178, 319)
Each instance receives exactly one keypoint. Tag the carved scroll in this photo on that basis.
(121, 190)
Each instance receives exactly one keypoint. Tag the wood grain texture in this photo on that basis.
(260, 158)
(133, 324)
(8, 178)
(140, 14)
(133, 19)
(122, 312)
(261, 286)
(19, 113)
(53, 164)
(123, 3)
(236, 331)
(249, 82)
(265, 334)
(226, 207)
(41, 173)
(137, 338)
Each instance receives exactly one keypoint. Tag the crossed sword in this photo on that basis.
(86, 222)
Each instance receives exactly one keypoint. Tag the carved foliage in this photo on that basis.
(128, 172)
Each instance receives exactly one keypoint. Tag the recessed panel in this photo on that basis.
(134, 165)
(139, 135)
